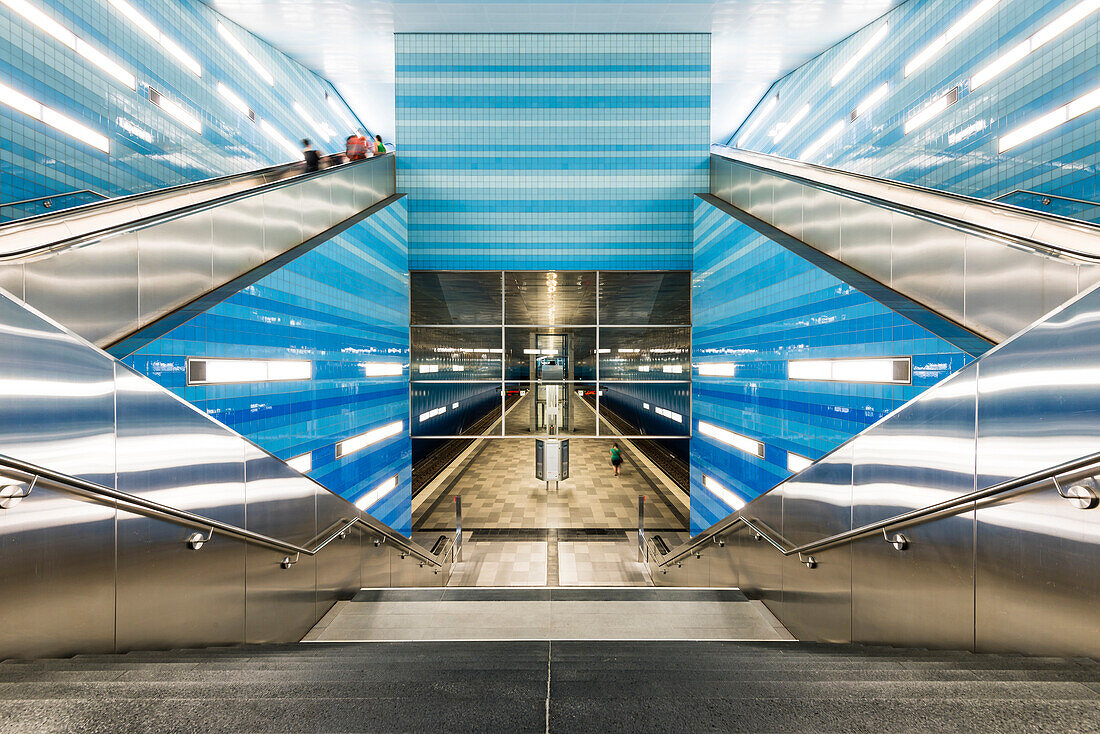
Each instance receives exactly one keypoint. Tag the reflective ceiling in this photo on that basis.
(754, 41)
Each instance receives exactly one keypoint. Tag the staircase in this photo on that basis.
(550, 686)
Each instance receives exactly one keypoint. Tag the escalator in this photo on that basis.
(967, 518)
(124, 271)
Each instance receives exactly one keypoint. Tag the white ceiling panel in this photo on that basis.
(754, 41)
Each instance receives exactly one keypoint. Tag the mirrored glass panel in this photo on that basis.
(455, 354)
(646, 409)
(565, 408)
(645, 353)
(550, 353)
(460, 298)
(550, 297)
(455, 408)
(645, 297)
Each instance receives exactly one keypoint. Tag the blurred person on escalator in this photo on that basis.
(312, 156)
(356, 147)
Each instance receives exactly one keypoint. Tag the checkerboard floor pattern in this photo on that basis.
(499, 490)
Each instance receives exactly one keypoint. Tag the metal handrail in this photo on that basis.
(38, 476)
(1086, 500)
(171, 214)
(1014, 192)
(1009, 239)
(102, 197)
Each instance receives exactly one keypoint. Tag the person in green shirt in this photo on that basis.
(616, 457)
(379, 147)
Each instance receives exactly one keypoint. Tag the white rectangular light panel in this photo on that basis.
(671, 415)
(1083, 104)
(673, 369)
(863, 50)
(960, 26)
(382, 369)
(797, 462)
(931, 110)
(175, 109)
(357, 443)
(718, 369)
(874, 370)
(428, 368)
(204, 371)
(454, 406)
(871, 100)
(245, 54)
(645, 405)
(341, 114)
(372, 497)
(234, 100)
(736, 440)
(53, 118)
(302, 463)
(783, 128)
(827, 137)
(530, 351)
(763, 112)
(155, 33)
(729, 498)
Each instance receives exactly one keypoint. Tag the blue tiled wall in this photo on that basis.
(958, 149)
(528, 151)
(341, 305)
(757, 305)
(148, 147)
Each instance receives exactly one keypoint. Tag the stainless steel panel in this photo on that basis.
(1088, 276)
(11, 279)
(759, 566)
(787, 209)
(821, 221)
(282, 220)
(375, 568)
(1059, 283)
(865, 239)
(174, 264)
(740, 184)
(924, 454)
(410, 571)
(817, 602)
(1038, 577)
(929, 264)
(761, 198)
(1004, 288)
(57, 572)
(316, 204)
(721, 178)
(281, 604)
(169, 595)
(339, 562)
(343, 196)
(238, 238)
(92, 290)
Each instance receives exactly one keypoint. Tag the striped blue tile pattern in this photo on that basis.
(148, 147)
(757, 305)
(956, 150)
(571, 151)
(342, 305)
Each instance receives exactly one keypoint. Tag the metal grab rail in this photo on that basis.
(102, 198)
(1081, 496)
(760, 162)
(37, 476)
(262, 187)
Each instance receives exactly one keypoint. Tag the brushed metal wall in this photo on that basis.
(957, 272)
(107, 285)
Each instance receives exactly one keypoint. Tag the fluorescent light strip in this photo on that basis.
(673, 369)
(432, 413)
(669, 414)
(923, 116)
(235, 101)
(1036, 40)
(323, 130)
(357, 443)
(1083, 104)
(372, 497)
(175, 109)
(279, 140)
(153, 32)
(973, 16)
(718, 369)
(454, 406)
(873, 99)
(736, 440)
(797, 462)
(764, 111)
(428, 368)
(244, 53)
(785, 127)
(645, 405)
(875, 370)
(302, 463)
(865, 49)
(340, 113)
(202, 371)
(824, 140)
(382, 369)
(51, 27)
(53, 118)
(726, 496)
